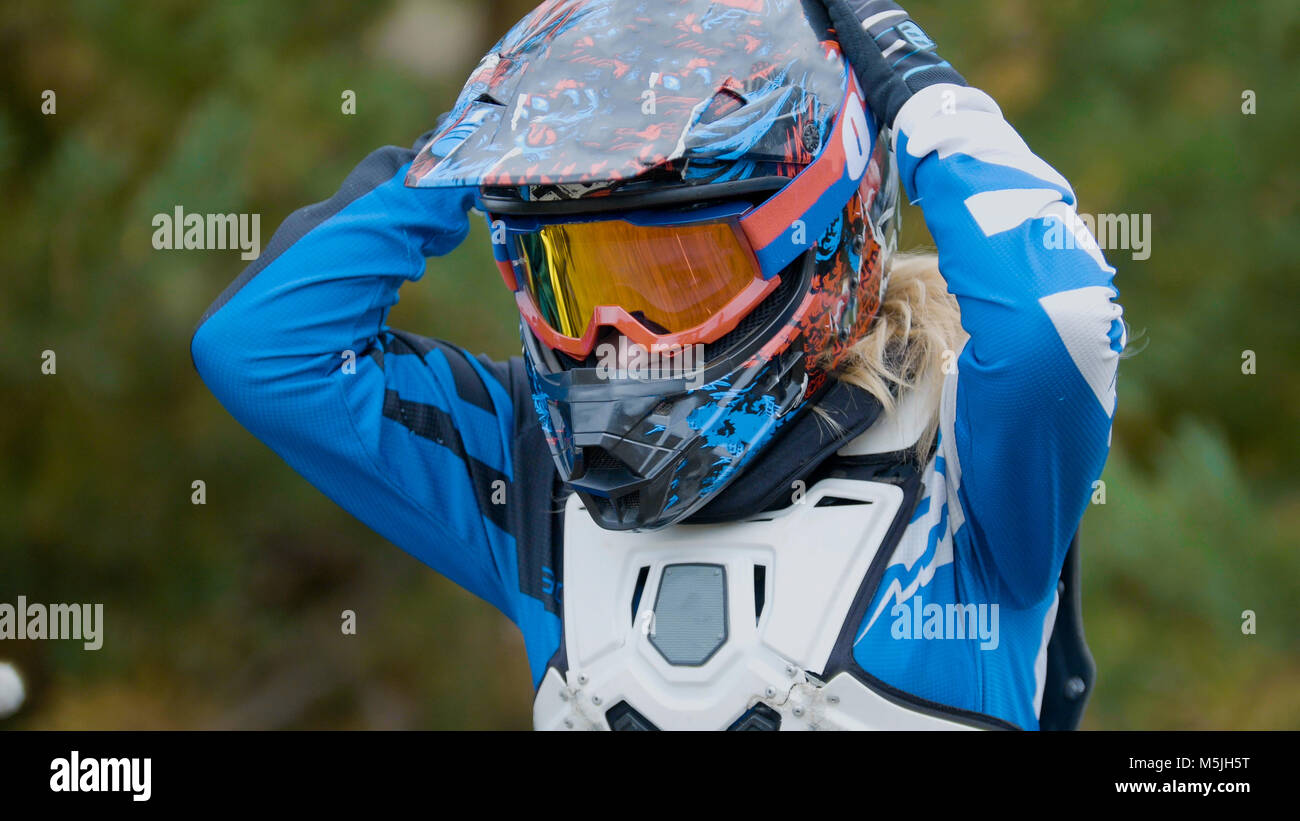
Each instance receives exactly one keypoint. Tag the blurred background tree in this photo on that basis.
(227, 614)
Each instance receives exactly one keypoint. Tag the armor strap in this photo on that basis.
(1071, 672)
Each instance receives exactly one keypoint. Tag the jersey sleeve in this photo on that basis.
(1025, 421)
(410, 435)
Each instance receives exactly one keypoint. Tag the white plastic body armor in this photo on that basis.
(698, 626)
(706, 627)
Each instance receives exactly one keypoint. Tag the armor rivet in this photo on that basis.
(833, 699)
(811, 138)
(582, 678)
(568, 722)
(595, 700)
(798, 711)
(789, 670)
(769, 692)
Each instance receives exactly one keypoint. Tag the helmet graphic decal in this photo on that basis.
(586, 91)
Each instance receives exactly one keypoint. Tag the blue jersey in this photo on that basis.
(421, 440)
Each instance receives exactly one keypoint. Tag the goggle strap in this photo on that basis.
(812, 201)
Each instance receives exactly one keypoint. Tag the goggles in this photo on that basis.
(667, 278)
(659, 278)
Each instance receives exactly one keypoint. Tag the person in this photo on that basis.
(754, 469)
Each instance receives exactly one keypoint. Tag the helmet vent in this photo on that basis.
(757, 319)
(598, 459)
(630, 505)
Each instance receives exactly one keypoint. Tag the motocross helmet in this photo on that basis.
(694, 211)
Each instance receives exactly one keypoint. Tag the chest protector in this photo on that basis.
(743, 618)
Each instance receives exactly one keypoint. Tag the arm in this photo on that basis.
(1028, 418)
(410, 438)
(1025, 426)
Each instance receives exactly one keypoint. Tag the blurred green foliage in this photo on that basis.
(227, 614)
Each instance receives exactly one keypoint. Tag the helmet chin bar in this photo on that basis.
(675, 452)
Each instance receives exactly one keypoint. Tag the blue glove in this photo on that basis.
(891, 55)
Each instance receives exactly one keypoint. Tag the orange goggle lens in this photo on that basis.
(669, 278)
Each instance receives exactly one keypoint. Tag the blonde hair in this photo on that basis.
(904, 350)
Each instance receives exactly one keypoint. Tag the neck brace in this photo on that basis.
(847, 412)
